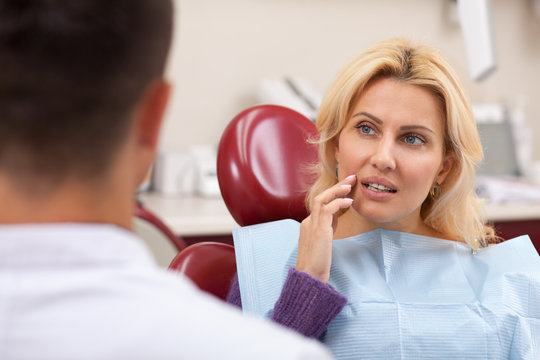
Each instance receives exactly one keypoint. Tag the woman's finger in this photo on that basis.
(339, 190)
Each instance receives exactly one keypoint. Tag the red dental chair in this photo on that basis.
(262, 168)
(210, 265)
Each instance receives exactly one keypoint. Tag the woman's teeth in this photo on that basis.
(379, 188)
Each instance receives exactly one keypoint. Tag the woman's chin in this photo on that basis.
(377, 215)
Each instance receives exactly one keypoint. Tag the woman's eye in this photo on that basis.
(413, 140)
(366, 129)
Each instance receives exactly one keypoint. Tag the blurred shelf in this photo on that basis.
(189, 216)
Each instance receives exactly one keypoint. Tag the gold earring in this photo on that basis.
(435, 191)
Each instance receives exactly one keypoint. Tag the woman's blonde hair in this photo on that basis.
(458, 212)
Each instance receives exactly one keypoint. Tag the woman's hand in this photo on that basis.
(317, 230)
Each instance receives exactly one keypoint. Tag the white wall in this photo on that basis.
(223, 47)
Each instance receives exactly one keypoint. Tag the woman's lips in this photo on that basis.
(377, 188)
(379, 184)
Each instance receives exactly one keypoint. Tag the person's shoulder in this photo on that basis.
(210, 328)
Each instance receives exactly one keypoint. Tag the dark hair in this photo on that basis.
(71, 74)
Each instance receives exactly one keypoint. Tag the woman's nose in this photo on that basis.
(383, 157)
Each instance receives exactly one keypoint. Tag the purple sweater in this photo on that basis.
(305, 305)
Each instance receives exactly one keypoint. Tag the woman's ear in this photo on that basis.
(445, 168)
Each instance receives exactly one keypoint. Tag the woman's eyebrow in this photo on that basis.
(416, 127)
(372, 117)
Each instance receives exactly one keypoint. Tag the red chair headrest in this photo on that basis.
(263, 164)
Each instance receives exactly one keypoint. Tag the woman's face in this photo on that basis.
(393, 143)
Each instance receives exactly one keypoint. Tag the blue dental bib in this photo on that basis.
(409, 296)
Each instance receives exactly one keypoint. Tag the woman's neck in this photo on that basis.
(351, 223)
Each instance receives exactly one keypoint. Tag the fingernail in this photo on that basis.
(350, 177)
(346, 186)
(348, 200)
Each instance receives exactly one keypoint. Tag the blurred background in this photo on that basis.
(223, 48)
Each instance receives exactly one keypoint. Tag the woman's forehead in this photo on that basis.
(393, 101)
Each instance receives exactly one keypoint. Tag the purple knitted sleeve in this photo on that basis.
(306, 304)
(233, 297)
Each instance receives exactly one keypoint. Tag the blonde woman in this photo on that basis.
(382, 267)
